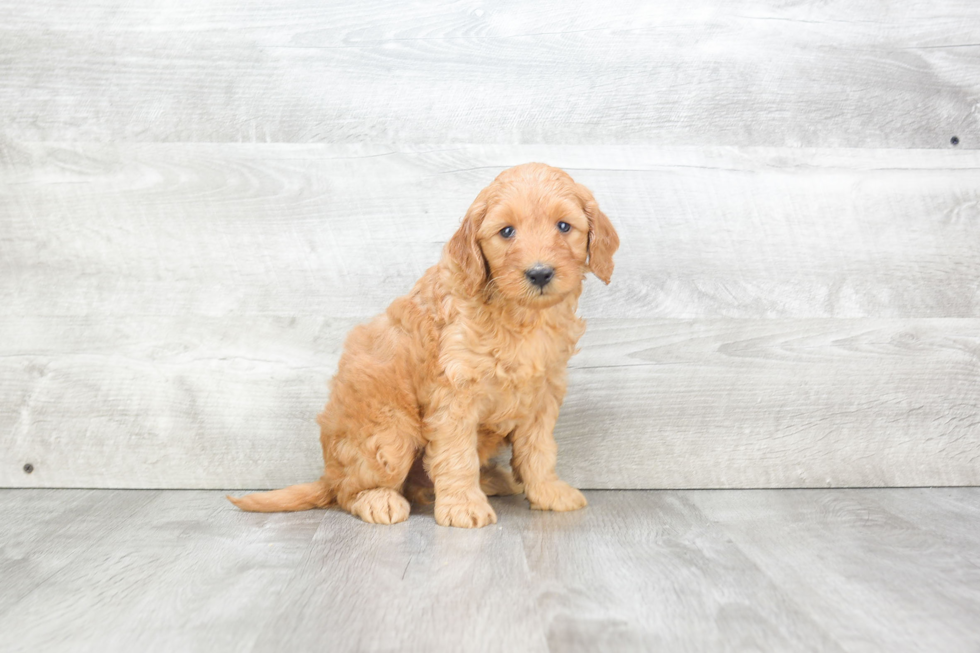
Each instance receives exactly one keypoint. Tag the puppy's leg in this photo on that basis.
(453, 463)
(494, 481)
(534, 459)
(372, 480)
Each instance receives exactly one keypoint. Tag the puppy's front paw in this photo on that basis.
(474, 513)
(554, 495)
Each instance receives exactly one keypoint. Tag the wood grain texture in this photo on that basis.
(733, 73)
(233, 230)
(211, 403)
(843, 552)
(774, 403)
(814, 570)
(172, 312)
(44, 533)
(198, 201)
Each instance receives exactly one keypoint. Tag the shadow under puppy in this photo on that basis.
(472, 358)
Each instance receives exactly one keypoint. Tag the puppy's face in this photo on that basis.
(532, 234)
(535, 242)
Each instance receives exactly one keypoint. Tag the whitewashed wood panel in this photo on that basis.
(340, 231)
(774, 403)
(745, 72)
(191, 219)
(215, 403)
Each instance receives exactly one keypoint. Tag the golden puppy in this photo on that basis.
(473, 357)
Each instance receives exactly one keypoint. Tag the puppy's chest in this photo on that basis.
(510, 368)
(517, 360)
(516, 369)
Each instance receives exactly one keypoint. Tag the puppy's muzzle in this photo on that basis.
(540, 275)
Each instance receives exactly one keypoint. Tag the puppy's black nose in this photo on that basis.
(540, 274)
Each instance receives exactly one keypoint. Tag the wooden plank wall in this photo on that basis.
(198, 201)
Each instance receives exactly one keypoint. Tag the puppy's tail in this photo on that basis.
(289, 499)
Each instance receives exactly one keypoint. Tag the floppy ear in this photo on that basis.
(603, 239)
(463, 249)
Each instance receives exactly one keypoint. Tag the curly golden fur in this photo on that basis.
(472, 358)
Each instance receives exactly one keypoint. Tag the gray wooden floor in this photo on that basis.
(786, 570)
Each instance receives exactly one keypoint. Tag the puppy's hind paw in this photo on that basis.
(555, 495)
(380, 505)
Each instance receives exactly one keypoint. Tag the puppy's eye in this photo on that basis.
(564, 227)
(507, 232)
